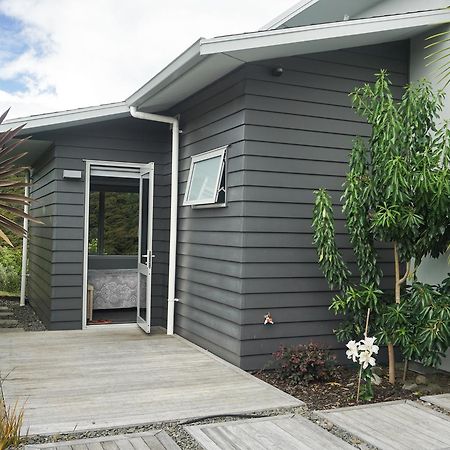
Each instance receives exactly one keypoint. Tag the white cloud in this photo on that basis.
(84, 52)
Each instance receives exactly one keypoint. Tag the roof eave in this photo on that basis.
(62, 119)
(182, 64)
(288, 14)
(325, 31)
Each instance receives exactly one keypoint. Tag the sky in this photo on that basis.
(63, 54)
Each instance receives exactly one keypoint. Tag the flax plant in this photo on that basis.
(10, 200)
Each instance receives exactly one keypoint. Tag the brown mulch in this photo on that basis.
(340, 391)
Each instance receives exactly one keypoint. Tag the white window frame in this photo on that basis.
(221, 151)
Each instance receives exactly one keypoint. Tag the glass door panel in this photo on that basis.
(145, 255)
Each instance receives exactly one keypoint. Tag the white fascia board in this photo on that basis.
(209, 69)
(288, 14)
(182, 64)
(73, 117)
(321, 32)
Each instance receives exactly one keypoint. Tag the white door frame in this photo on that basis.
(87, 191)
(147, 267)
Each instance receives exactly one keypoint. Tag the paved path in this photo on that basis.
(442, 400)
(152, 440)
(118, 376)
(7, 321)
(280, 432)
(398, 425)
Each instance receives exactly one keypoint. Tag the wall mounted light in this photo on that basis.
(72, 174)
(277, 71)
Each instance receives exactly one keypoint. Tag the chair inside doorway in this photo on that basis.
(113, 249)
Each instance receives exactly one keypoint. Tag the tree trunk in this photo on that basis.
(397, 274)
(391, 350)
(391, 355)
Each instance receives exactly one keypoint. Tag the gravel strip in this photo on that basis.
(435, 407)
(25, 315)
(179, 434)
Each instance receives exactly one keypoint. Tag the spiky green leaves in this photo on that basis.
(397, 191)
(330, 260)
(357, 203)
(8, 181)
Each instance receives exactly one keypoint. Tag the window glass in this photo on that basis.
(205, 177)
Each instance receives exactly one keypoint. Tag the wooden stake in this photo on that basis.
(405, 369)
(398, 283)
(360, 369)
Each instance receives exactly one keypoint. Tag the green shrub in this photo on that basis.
(302, 364)
(10, 268)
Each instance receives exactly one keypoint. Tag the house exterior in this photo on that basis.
(273, 107)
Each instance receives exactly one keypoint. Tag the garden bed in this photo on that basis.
(340, 391)
(24, 315)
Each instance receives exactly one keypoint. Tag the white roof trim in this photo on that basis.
(157, 94)
(209, 59)
(71, 117)
(288, 14)
(320, 32)
(188, 59)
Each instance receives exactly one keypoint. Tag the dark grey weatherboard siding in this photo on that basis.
(287, 137)
(209, 259)
(56, 281)
(298, 132)
(39, 290)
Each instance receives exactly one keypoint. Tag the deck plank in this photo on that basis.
(441, 400)
(398, 425)
(151, 440)
(75, 380)
(284, 432)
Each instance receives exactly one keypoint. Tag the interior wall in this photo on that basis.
(431, 270)
(129, 140)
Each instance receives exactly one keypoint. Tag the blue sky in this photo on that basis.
(11, 48)
(62, 54)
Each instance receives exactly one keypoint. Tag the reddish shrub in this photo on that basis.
(301, 364)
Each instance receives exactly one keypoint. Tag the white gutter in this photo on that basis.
(26, 209)
(173, 207)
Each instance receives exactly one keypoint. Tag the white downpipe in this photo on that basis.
(173, 207)
(26, 209)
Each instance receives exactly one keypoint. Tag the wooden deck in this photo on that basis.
(396, 425)
(441, 400)
(151, 440)
(114, 377)
(278, 432)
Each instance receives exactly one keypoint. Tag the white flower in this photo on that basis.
(352, 352)
(368, 345)
(365, 358)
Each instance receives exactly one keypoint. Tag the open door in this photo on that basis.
(145, 254)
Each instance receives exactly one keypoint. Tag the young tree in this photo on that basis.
(397, 191)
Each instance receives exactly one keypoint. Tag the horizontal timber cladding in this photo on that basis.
(39, 289)
(209, 254)
(56, 247)
(299, 129)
